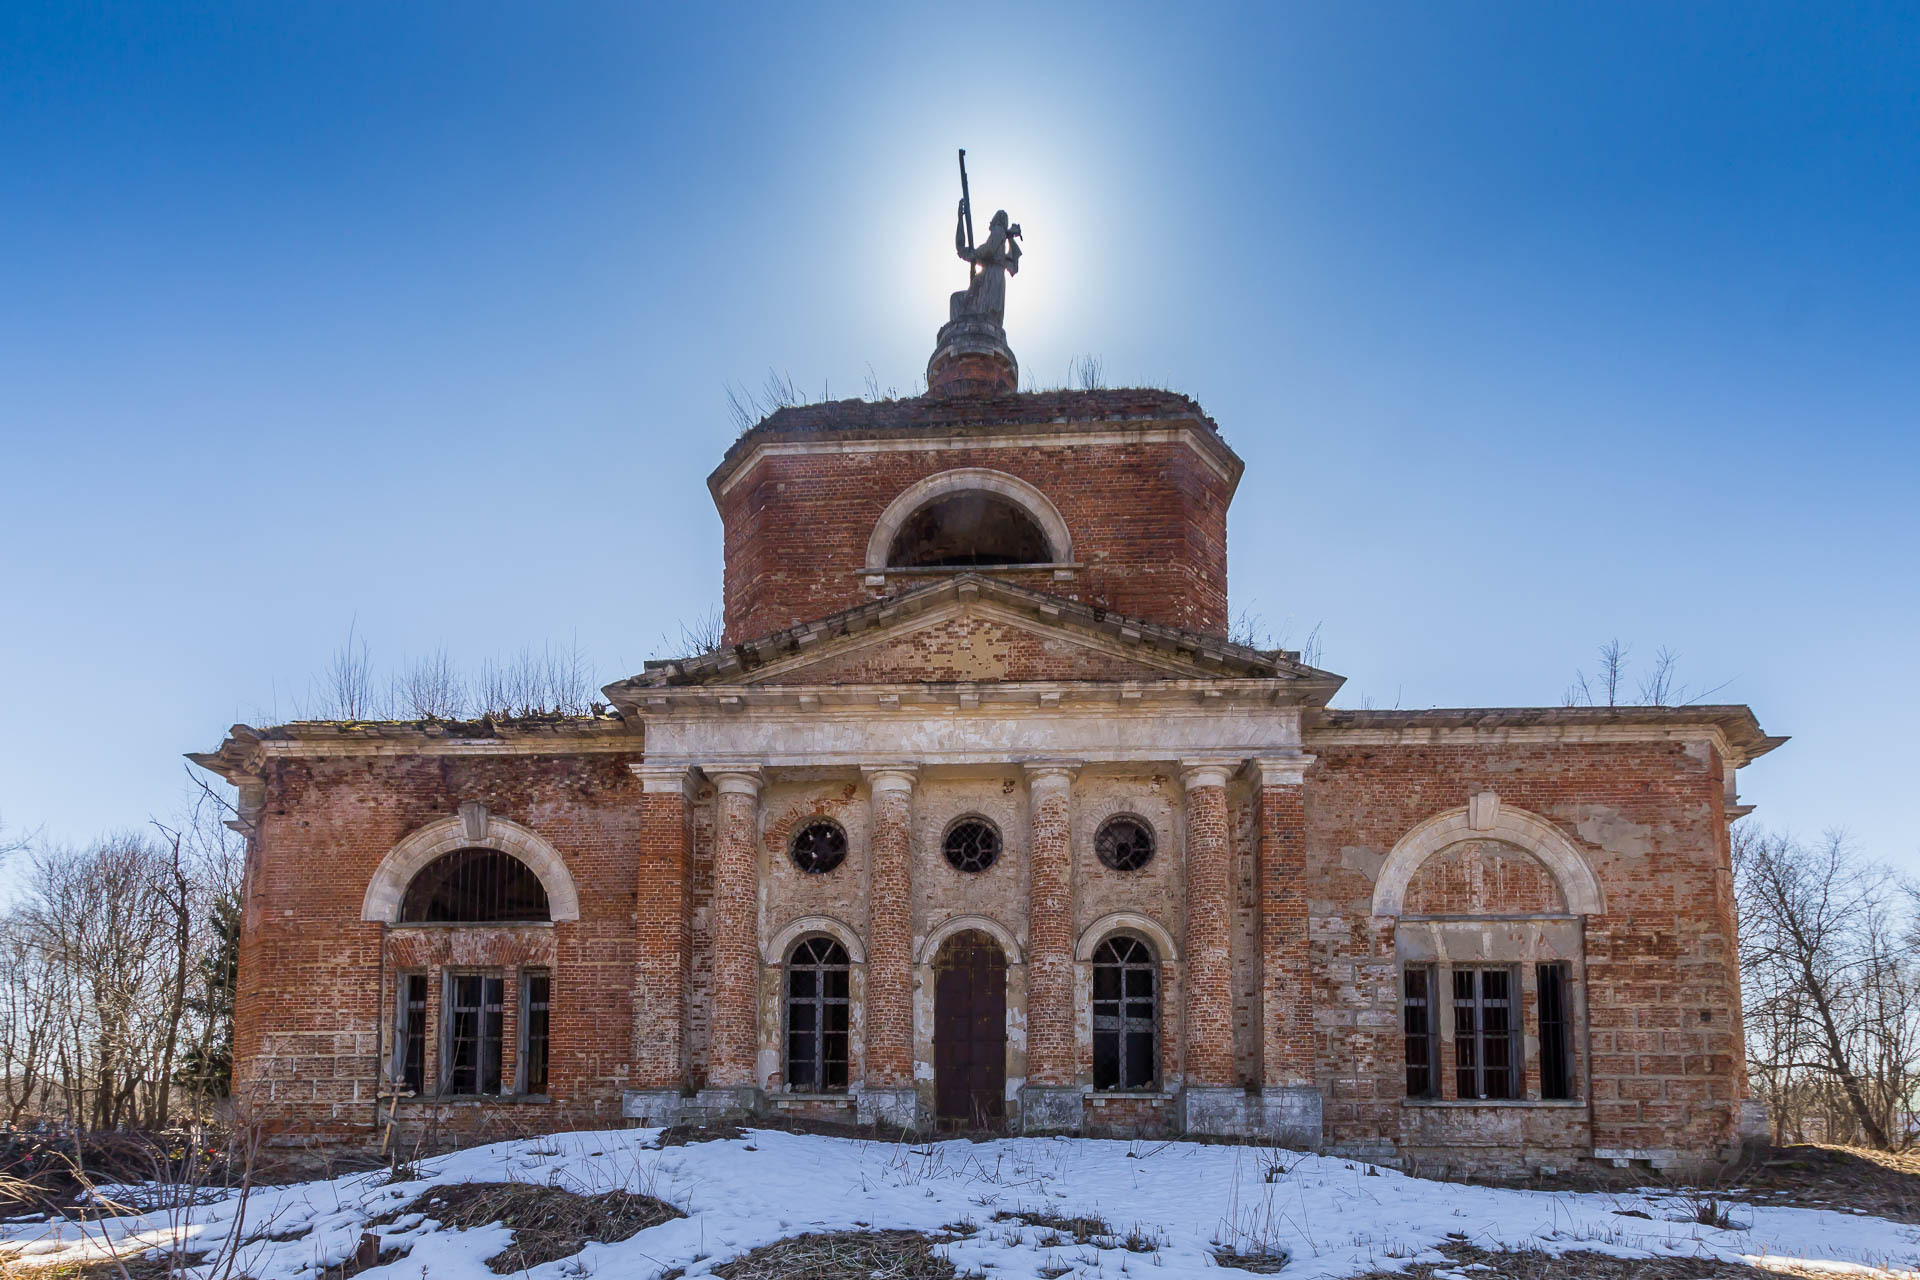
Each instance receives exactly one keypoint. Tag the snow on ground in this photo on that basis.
(1333, 1217)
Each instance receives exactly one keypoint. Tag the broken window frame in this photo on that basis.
(1132, 856)
(1420, 1024)
(817, 985)
(533, 1063)
(1486, 1057)
(1553, 999)
(408, 1069)
(472, 1010)
(818, 846)
(1126, 1041)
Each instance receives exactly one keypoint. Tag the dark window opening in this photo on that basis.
(473, 1033)
(818, 985)
(1556, 1032)
(819, 847)
(410, 1036)
(1126, 1033)
(474, 886)
(972, 845)
(1418, 1022)
(971, 528)
(535, 1009)
(1124, 843)
(1483, 1039)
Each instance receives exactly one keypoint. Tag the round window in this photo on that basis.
(1125, 843)
(972, 845)
(820, 846)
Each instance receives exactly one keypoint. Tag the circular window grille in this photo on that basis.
(972, 845)
(820, 846)
(1124, 843)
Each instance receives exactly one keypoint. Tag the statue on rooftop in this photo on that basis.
(992, 262)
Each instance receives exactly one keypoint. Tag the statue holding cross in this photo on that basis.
(992, 262)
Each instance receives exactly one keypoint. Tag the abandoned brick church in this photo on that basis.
(978, 819)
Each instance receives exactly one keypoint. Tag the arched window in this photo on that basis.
(818, 998)
(972, 527)
(474, 886)
(1126, 1015)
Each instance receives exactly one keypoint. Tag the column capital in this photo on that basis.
(663, 779)
(890, 777)
(736, 779)
(1207, 773)
(1288, 770)
(1045, 770)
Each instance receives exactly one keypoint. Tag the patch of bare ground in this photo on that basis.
(548, 1223)
(843, 1255)
(1883, 1183)
(1527, 1264)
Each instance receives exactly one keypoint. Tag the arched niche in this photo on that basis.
(474, 828)
(1532, 833)
(997, 485)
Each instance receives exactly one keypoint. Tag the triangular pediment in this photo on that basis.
(974, 629)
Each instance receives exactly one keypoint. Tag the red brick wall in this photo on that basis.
(307, 1021)
(972, 649)
(1661, 969)
(1148, 520)
(1481, 876)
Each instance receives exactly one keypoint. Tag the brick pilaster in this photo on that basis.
(1050, 1013)
(663, 945)
(1209, 976)
(736, 927)
(1286, 998)
(889, 1004)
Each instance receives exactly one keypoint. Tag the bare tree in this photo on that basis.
(1659, 687)
(346, 689)
(430, 688)
(1087, 373)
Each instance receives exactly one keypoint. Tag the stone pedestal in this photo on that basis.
(1290, 1115)
(1047, 1108)
(659, 1108)
(971, 358)
(653, 1108)
(1219, 1111)
(891, 1108)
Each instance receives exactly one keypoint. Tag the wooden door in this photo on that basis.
(970, 1033)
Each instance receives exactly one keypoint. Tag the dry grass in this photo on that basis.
(1261, 1263)
(1576, 1265)
(547, 1222)
(843, 1255)
(1079, 1230)
(1883, 1183)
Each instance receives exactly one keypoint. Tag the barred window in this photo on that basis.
(1124, 843)
(536, 989)
(972, 844)
(1483, 1041)
(1556, 1031)
(472, 1037)
(819, 846)
(410, 1033)
(818, 999)
(1417, 1020)
(1126, 1024)
(474, 886)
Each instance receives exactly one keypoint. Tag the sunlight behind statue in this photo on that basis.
(986, 293)
(971, 356)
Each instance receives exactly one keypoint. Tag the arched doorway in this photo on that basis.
(970, 1032)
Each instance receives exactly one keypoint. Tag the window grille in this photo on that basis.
(972, 845)
(819, 846)
(473, 1033)
(1126, 1032)
(410, 1033)
(1418, 1023)
(818, 986)
(1483, 1039)
(1124, 843)
(536, 988)
(474, 886)
(1556, 1031)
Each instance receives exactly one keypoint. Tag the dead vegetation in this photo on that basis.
(548, 1223)
(1883, 1183)
(1530, 1264)
(1081, 1230)
(843, 1255)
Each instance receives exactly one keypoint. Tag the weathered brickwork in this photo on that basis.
(1304, 860)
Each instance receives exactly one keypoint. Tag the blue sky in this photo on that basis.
(1535, 325)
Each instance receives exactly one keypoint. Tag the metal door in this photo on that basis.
(970, 1033)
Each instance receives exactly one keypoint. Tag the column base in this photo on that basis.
(661, 1108)
(1052, 1108)
(1217, 1111)
(1290, 1115)
(890, 1106)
